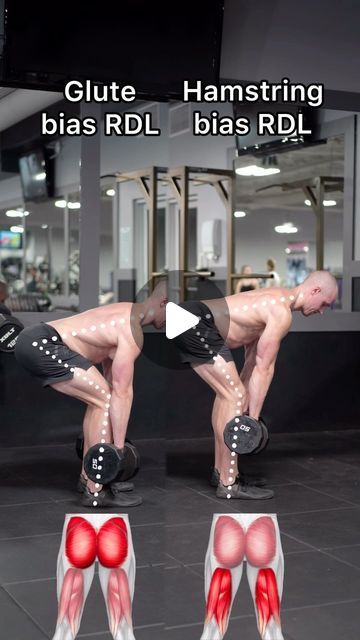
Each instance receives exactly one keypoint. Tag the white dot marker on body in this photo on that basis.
(233, 453)
(254, 305)
(103, 325)
(113, 323)
(122, 320)
(97, 486)
(34, 344)
(264, 303)
(291, 298)
(47, 353)
(53, 357)
(93, 328)
(54, 338)
(273, 301)
(41, 348)
(94, 503)
(73, 333)
(282, 299)
(44, 341)
(245, 307)
(228, 496)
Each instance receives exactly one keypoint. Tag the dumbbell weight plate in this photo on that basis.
(103, 463)
(265, 439)
(10, 328)
(131, 463)
(243, 432)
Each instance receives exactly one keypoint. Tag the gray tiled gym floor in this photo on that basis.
(315, 477)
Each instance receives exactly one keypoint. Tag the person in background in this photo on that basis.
(3, 296)
(246, 284)
(275, 280)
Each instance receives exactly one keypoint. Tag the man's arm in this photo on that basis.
(107, 370)
(266, 353)
(122, 390)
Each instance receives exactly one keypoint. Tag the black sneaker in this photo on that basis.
(243, 492)
(116, 487)
(252, 481)
(106, 499)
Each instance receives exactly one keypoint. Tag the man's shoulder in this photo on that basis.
(280, 315)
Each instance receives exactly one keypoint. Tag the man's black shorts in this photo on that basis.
(41, 351)
(201, 343)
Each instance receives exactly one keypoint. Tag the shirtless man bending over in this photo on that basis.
(62, 355)
(258, 321)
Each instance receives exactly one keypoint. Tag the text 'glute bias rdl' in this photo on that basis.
(134, 123)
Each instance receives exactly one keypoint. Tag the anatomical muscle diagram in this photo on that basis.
(88, 539)
(253, 538)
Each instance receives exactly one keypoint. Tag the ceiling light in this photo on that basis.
(255, 171)
(44, 226)
(239, 214)
(287, 250)
(61, 204)
(40, 176)
(74, 205)
(17, 229)
(110, 192)
(286, 227)
(326, 203)
(16, 213)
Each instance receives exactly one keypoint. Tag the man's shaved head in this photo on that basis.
(319, 290)
(322, 279)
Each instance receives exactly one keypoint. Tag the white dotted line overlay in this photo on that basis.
(245, 307)
(41, 344)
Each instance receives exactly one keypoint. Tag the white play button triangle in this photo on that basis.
(178, 320)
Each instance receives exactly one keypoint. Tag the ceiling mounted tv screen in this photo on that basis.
(36, 174)
(152, 45)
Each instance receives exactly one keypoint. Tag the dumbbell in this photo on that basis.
(10, 328)
(245, 435)
(116, 464)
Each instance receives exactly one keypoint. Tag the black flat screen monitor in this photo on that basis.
(152, 45)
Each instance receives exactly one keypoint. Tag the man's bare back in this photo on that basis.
(97, 333)
(250, 312)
